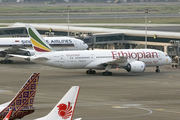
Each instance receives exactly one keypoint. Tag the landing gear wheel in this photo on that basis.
(10, 61)
(107, 73)
(90, 72)
(6, 61)
(158, 70)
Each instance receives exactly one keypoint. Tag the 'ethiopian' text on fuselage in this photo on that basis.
(134, 55)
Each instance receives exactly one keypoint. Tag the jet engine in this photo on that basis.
(137, 66)
(26, 52)
(29, 53)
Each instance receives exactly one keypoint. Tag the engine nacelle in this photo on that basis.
(136, 66)
(30, 53)
(27, 53)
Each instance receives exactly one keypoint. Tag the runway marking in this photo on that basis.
(149, 112)
(119, 107)
(160, 109)
(6, 92)
(126, 105)
(167, 111)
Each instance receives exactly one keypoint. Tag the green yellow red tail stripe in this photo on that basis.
(39, 44)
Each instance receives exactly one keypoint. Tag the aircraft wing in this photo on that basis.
(2, 50)
(122, 61)
(14, 50)
(118, 61)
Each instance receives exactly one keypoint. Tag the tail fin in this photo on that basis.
(65, 108)
(8, 115)
(38, 42)
(22, 103)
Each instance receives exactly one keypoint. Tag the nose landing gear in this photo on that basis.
(157, 69)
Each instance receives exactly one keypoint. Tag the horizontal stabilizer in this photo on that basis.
(20, 56)
(119, 60)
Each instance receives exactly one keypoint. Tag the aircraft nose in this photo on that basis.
(169, 60)
(86, 46)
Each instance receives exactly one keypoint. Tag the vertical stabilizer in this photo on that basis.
(22, 103)
(65, 108)
(38, 42)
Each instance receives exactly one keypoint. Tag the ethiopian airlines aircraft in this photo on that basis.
(64, 109)
(133, 60)
(22, 104)
(23, 46)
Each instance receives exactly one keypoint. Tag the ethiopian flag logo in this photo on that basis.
(38, 42)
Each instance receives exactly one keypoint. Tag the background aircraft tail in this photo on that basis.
(65, 108)
(38, 42)
(22, 103)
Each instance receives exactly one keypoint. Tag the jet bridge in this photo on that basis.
(174, 53)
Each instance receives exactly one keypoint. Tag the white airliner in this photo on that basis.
(64, 109)
(23, 46)
(133, 60)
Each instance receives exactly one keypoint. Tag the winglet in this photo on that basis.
(65, 108)
(8, 115)
(22, 103)
(38, 42)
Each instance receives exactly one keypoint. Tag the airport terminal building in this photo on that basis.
(102, 38)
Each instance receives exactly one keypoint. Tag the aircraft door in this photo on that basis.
(62, 60)
(159, 56)
(92, 57)
(75, 44)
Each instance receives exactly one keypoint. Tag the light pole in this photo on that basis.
(146, 12)
(68, 8)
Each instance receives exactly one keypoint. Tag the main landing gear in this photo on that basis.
(6, 61)
(157, 69)
(90, 71)
(107, 73)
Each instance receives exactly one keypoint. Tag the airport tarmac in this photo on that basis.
(127, 96)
